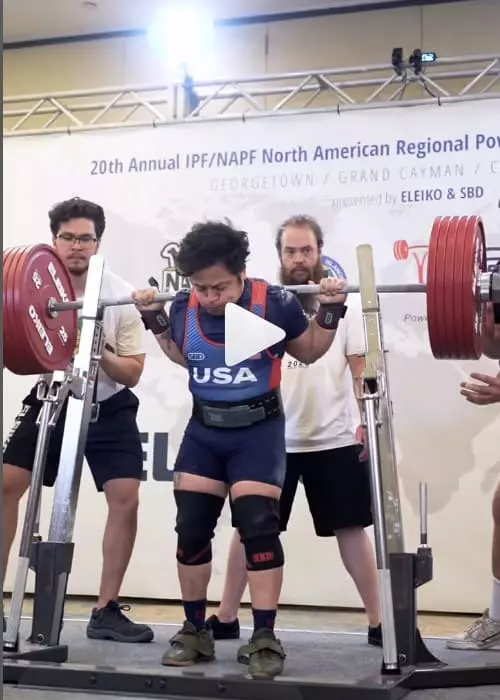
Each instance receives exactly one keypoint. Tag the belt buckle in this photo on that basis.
(236, 417)
(211, 415)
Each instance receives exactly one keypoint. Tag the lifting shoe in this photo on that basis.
(190, 646)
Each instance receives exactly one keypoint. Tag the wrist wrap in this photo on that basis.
(329, 315)
(155, 321)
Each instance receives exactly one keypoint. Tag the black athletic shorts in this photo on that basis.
(337, 488)
(113, 451)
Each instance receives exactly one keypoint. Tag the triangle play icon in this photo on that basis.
(247, 334)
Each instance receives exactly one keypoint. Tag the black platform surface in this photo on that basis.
(335, 656)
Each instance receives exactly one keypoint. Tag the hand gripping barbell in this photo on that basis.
(41, 321)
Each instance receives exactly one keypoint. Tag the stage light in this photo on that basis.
(183, 37)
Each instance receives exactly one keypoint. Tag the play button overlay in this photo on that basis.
(247, 334)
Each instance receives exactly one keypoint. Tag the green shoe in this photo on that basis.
(264, 655)
(190, 646)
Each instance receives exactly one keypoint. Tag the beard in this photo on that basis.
(77, 266)
(304, 275)
(78, 271)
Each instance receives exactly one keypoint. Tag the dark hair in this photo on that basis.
(77, 208)
(213, 243)
(301, 221)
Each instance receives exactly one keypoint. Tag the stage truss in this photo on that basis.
(339, 89)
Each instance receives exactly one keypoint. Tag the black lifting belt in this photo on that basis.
(241, 415)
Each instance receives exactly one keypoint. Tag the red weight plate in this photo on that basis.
(469, 311)
(18, 341)
(13, 343)
(7, 352)
(462, 346)
(455, 315)
(49, 278)
(449, 249)
(401, 250)
(451, 261)
(10, 343)
(435, 283)
(24, 361)
(440, 300)
(42, 344)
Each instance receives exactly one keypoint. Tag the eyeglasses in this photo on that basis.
(86, 239)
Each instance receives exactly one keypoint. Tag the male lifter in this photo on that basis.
(114, 449)
(235, 439)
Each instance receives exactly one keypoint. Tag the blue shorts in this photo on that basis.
(256, 453)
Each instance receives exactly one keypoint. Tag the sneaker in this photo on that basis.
(264, 655)
(190, 646)
(223, 630)
(483, 634)
(375, 636)
(111, 623)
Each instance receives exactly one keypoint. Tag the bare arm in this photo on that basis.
(157, 320)
(124, 363)
(316, 340)
(123, 370)
(170, 349)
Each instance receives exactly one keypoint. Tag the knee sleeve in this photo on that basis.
(258, 522)
(197, 516)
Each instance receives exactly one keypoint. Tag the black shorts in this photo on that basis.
(337, 488)
(113, 450)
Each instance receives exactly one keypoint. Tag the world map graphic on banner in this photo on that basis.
(377, 177)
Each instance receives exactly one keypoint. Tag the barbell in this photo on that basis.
(41, 312)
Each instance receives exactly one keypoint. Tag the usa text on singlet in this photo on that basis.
(246, 393)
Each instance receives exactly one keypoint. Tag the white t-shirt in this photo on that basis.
(320, 406)
(123, 330)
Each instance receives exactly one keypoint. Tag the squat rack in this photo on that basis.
(407, 663)
(455, 79)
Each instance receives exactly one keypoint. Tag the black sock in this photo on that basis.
(263, 619)
(195, 611)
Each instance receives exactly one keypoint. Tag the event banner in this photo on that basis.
(376, 176)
